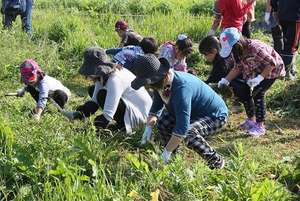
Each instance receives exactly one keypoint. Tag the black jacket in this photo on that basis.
(288, 10)
(220, 69)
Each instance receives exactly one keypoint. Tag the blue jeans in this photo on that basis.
(26, 18)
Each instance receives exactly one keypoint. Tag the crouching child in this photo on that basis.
(41, 87)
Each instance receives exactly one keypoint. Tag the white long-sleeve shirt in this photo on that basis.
(48, 85)
(138, 102)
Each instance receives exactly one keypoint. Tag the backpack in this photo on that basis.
(15, 6)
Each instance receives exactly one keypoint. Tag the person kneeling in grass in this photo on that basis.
(193, 110)
(125, 56)
(260, 65)
(127, 35)
(210, 47)
(112, 93)
(176, 53)
(41, 87)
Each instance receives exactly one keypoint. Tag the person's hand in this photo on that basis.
(267, 17)
(36, 117)
(151, 121)
(119, 66)
(20, 92)
(146, 135)
(166, 155)
(255, 81)
(223, 82)
(211, 32)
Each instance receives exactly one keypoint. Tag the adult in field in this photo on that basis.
(127, 35)
(260, 65)
(288, 15)
(112, 93)
(276, 29)
(230, 13)
(12, 8)
(193, 110)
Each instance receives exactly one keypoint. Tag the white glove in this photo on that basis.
(211, 32)
(267, 17)
(222, 82)
(146, 135)
(36, 117)
(255, 81)
(166, 155)
(21, 92)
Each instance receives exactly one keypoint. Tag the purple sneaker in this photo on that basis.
(257, 130)
(247, 125)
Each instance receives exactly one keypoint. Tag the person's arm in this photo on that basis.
(234, 73)
(182, 109)
(97, 88)
(43, 94)
(113, 51)
(157, 105)
(219, 70)
(115, 88)
(217, 19)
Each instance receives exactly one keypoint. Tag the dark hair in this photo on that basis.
(239, 49)
(208, 44)
(185, 46)
(149, 45)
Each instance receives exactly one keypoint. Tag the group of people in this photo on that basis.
(144, 84)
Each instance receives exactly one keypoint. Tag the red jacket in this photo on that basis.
(233, 12)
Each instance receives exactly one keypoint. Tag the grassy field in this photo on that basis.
(57, 159)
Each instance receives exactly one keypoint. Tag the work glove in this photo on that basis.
(20, 92)
(211, 32)
(36, 117)
(223, 82)
(267, 17)
(255, 81)
(166, 155)
(146, 135)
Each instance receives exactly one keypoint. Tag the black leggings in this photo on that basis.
(59, 96)
(254, 102)
(119, 115)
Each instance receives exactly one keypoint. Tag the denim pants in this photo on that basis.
(26, 17)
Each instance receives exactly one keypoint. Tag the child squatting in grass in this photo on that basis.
(260, 65)
(41, 87)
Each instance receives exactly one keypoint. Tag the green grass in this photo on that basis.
(57, 159)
